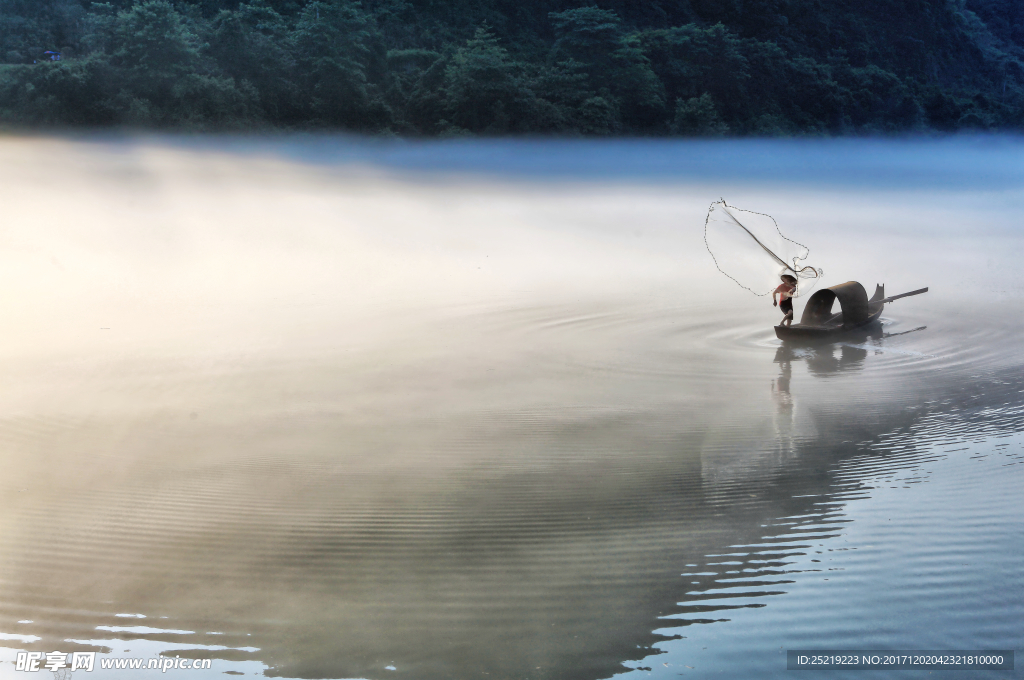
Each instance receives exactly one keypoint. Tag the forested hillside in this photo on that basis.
(449, 67)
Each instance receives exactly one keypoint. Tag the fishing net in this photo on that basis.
(749, 248)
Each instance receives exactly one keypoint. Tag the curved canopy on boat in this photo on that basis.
(853, 300)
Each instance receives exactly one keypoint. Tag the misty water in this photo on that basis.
(320, 407)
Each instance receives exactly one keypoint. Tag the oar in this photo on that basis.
(902, 295)
(912, 330)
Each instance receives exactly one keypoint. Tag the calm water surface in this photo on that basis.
(325, 408)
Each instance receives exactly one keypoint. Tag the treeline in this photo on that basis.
(449, 67)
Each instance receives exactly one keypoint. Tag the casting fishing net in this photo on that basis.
(749, 248)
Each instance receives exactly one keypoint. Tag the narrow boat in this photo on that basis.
(818, 322)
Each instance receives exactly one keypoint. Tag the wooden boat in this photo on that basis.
(818, 322)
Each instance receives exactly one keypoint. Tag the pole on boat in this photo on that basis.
(903, 295)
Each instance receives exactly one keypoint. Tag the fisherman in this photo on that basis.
(785, 302)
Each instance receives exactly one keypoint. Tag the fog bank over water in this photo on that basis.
(316, 407)
(982, 162)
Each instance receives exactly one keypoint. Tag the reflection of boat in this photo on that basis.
(841, 354)
(825, 358)
(856, 311)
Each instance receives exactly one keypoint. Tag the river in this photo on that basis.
(327, 407)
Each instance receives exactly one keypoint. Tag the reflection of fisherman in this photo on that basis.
(785, 302)
(784, 405)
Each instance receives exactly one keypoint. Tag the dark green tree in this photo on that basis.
(332, 44)
(616, 65)
(421, 66)
(483, 86)
(250, 44)
(698, 116)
